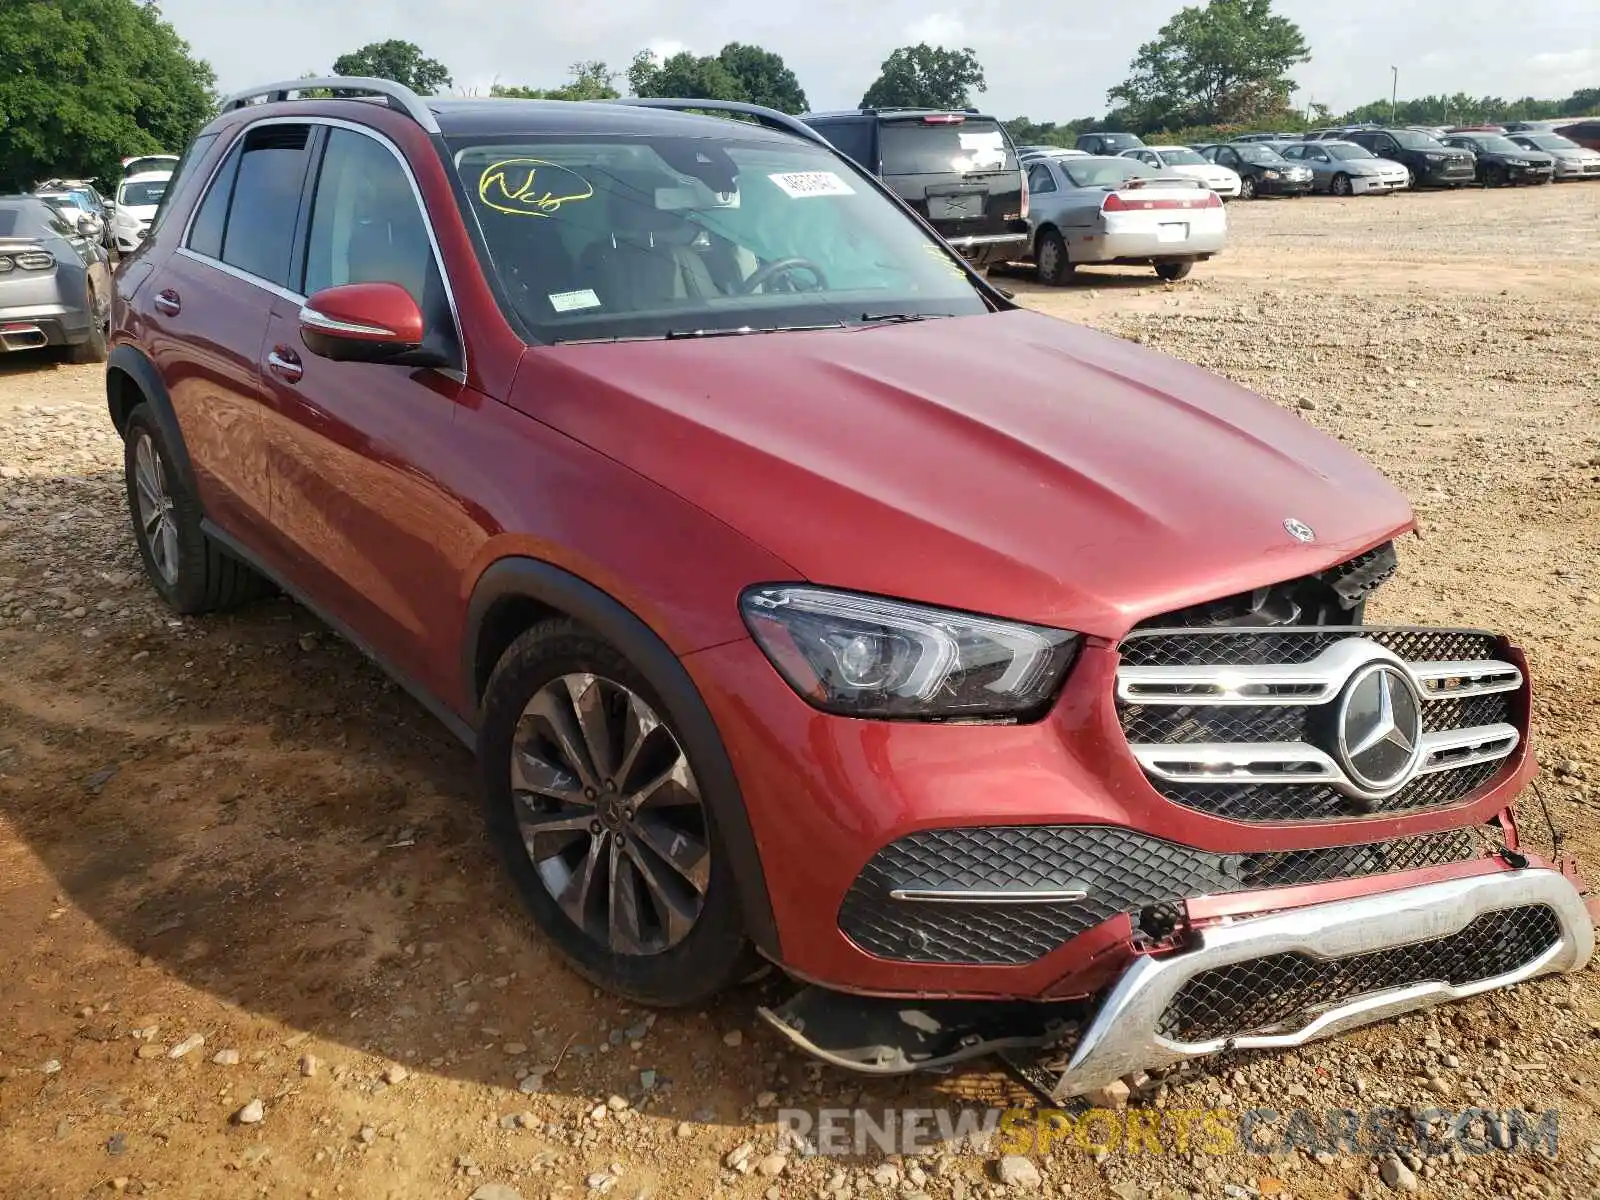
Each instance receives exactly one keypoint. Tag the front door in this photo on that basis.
(369, 532)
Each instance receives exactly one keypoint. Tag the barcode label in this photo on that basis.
(799, 184)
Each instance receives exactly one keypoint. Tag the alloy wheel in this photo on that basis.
(610, 814)
(156, 516)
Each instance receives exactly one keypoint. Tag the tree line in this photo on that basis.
(86, 82)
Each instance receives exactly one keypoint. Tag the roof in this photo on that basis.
(894, 114)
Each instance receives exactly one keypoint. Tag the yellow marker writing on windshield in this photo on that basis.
(531, 187)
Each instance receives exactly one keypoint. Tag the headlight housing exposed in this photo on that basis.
(865, 656)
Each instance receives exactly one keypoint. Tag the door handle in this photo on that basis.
(167, 302)
(285, 364)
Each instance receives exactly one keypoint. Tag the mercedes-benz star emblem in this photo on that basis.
(1299, 530)
(1380, 728)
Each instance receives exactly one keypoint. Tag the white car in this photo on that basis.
(1102, 210)
(1180, 160)
(138, 197)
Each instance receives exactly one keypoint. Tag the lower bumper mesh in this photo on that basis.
(1119, 871)
(1286, 992)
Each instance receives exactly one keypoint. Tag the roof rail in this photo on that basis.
(399, 97)
(769, 117)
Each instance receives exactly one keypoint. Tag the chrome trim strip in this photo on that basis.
(995, 896)
(322, 321)
(987, 239)
(1269, 762)
(1222, 762)
(217, 264)
(1481, 678)
(1484, 743)
(1122, 1037)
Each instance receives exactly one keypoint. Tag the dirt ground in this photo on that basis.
(234, 828)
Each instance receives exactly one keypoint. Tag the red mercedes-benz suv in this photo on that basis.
(805, 598)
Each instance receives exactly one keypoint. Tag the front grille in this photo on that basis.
(1121, 871)
(1283, 993)
(1200, 697)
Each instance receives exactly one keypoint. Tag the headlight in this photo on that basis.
(1269, 174)
(1517, 162)
(1434, 157)
(864, 656)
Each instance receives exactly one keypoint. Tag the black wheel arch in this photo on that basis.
(132, 380)
(515, 592)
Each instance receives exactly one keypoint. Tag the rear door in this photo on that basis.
(205, 309)
(958, 171)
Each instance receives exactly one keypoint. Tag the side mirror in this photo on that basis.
(362, 322)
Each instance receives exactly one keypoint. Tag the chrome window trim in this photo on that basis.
(460, 376)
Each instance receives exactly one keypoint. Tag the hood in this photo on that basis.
(137, 212)
(1573, 152)
(1009, 464)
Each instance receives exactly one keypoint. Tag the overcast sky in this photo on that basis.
(1044, 61)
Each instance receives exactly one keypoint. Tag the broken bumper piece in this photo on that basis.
(1265, 982)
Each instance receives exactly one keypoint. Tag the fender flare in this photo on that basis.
(130, 364)
(560, 590)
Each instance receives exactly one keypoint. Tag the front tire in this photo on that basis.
(1174, 271)
(189, 571)
(1247, 188)
(1050, 256)
(597, 812)
(1340, 185)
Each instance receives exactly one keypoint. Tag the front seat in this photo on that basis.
(648, 261)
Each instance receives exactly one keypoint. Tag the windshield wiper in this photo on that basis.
(893, 318)
(674, 334)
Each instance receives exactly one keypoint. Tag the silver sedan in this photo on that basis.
(1346, 169)
(55, 281)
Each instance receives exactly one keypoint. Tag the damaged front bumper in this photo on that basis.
(1270, 981)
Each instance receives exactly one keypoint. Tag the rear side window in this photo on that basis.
(852, 139)
(917, 147)
(205, 236)
(266, 201)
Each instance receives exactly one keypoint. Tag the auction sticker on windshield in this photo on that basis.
(812, 183)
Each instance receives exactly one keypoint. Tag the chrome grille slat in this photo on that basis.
(1239, 722)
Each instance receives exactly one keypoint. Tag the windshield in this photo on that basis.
(920, 148)
(1348, 150)
(1548, 141)
(1412, 140)
(1255, 152)
(1182, 158)
(603, 238)
(1104, 172)
(142, 195)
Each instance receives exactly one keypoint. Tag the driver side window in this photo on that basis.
(366, 226)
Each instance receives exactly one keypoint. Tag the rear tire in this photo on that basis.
(189, 571)
(1050, 256)
(95, 348)
(671, 937)
(1174, 271)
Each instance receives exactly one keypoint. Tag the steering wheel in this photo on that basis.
(783, 266)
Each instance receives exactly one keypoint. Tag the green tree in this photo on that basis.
(924, 76)
(1224, 63)
(591, 80)
(398, 60)
(763, 77)
(82, 85)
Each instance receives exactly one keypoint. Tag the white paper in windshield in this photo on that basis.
(799, 184)
(574, 301)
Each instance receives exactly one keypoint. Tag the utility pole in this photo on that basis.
(1394, 94)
